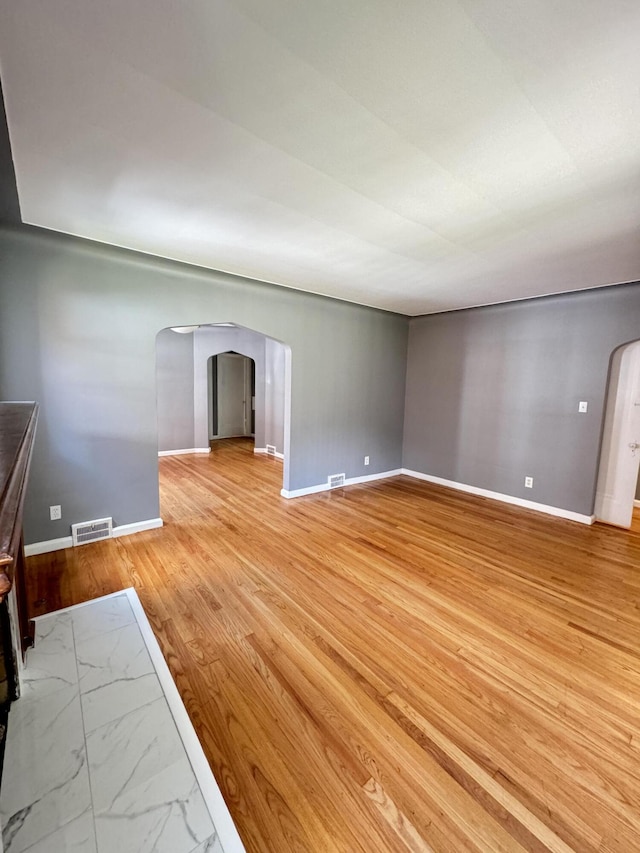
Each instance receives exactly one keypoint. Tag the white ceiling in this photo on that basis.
(416, 156)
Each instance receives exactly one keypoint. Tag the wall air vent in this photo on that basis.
(336, 481)
(92, 531)
(271, 449)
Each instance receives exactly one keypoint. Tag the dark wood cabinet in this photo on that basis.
(17, 433)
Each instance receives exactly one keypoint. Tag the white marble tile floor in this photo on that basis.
(100, 755)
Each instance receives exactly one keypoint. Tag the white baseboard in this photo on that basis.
(451, 484)
(298, 493)
(350, 481)
(276, 455)
(46, 547)
(188, 450)
(137, 527)
(67, 542)
(636, 503)
(497, 496)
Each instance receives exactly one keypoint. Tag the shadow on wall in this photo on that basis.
(183, 379)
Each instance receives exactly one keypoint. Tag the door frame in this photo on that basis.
(249, 372)
(618, 462)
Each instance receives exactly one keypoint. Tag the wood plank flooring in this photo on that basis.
(389, 667)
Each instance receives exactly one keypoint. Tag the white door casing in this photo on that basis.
(233, 395)
(619, 459)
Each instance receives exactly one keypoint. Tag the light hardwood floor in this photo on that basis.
(388, 667)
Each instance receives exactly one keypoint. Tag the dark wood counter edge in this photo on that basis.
(13, 495)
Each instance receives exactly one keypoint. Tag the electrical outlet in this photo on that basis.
(582, 406)
(55, 513)
(366, 460)
(528, 482)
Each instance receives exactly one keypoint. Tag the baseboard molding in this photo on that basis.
(67, 542)
(350, 481)
(636, 503)
(275, 455)
(497, 496)
(47, 547)
(188, 450)
(137, 527)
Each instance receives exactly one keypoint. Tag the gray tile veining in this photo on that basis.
(47, 737)
(77, 836)
(165, 814)
(119, 654)
(129, 751)
(211, 845)
(94, 762)
(116, 675)
(51, 663)
(117, 698)
(99, 618)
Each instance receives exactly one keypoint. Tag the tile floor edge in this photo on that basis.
(214, 801)
(73, 607)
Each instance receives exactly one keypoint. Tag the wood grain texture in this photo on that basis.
(17, 434)
(389, 667)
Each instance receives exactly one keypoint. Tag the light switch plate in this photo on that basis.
(582, 407)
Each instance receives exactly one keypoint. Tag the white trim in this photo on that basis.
(67, 542)
(451, 484)
(350, 481)
(618, 468)
(636, 503)
(73, 607)
(180, 452)
(46, 547)
(310, 490)
(222, 820)
(276, 455)
(137, 527)
(497, 496)
(16, 639)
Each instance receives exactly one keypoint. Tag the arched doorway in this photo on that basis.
(620, 454)
(184, 387)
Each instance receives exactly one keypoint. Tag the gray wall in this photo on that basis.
(269, 358)
(183, 391)
(274, 390)
(174, 378)
(78, 326)
(208, 342)
(492, 393)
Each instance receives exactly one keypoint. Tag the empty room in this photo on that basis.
(319, 427)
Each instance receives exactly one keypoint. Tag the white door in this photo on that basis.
(620, 456)
(232, 403)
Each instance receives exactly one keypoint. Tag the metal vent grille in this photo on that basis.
(336, 480)
(271, 449)
(92, 531)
